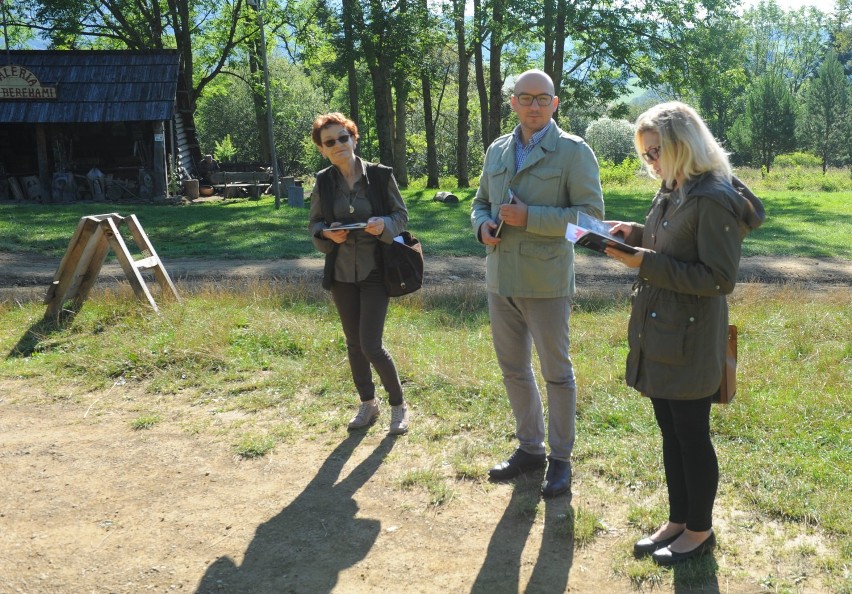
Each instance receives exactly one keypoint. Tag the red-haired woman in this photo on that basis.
(364, 198)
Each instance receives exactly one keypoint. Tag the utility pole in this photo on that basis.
(255, 4)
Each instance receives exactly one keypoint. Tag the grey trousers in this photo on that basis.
(517, 324)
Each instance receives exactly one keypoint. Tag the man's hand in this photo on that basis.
(486, 233)
(514, 214)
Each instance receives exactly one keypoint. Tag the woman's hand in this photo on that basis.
(619, 227)
(375, 226)
(335, 236)
(629, 260)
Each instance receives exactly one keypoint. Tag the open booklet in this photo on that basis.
(347, 227)
(594, 234)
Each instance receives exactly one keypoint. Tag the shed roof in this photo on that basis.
(96, 86)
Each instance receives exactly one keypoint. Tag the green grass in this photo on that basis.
(145, 421)
(800, 222)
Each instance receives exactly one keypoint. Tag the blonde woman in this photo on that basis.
(687, 263)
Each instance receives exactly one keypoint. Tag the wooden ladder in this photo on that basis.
(85, 257)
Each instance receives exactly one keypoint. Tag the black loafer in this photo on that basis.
(558, 478)
(666, 556)
(517, 464)
(646, 546)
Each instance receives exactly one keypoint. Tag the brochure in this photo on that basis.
(347, 227)
(594, 234)
(500, 225)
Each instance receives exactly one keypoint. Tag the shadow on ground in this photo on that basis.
(299, 550)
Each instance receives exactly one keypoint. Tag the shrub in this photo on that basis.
(611, 139)
(789, 160)
(621, 174)
(225, 150)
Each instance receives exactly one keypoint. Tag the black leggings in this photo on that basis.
(362, 307)
(692, 470)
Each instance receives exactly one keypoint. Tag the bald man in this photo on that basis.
(534, 182)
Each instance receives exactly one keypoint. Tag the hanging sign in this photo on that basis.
(17, 83)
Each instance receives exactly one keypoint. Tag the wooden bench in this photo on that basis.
(256, 182)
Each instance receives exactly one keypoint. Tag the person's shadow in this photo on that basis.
(500, 572)
(697, 576)
(314, 538)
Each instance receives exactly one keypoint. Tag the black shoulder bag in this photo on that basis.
(401, 259)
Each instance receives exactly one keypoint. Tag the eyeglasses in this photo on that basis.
(652, 154)
(342, 139)
(526, 99)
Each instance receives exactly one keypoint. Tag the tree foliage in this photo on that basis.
(825, 122)
(789, 44)
(428, 82)
(769, 123)
(228, 108)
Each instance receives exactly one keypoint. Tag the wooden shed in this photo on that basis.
(93, 124)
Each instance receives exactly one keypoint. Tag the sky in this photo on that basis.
(823, 5)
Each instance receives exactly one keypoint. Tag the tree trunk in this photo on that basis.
(463, 126)
(379, 62)
(384, 110)
(494, 67)
(400, 164)
(479, 70)
(179, 13)
(350, 58)
(259, 100)
(432, 173)
(559, 36)
(547, 33)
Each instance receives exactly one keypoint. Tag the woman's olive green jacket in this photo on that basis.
(678, 323)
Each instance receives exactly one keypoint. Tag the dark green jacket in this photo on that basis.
(678, 323)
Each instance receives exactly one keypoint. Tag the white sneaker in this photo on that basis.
(368, 412)
(399, 419)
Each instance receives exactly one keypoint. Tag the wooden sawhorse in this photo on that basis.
(86, 254)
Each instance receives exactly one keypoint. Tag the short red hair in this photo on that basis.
(330, 119)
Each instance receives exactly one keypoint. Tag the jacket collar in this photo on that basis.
(547, 144)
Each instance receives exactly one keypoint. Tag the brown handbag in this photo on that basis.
(728, 388)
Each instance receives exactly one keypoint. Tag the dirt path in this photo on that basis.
(90, 505)
(94, 506)
(28, 276)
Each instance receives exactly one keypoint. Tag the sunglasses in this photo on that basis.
(342, 139)
(652, 154)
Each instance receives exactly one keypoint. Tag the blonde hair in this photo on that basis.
(686, 145)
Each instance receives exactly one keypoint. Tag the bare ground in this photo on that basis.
(90, 505)
(28, 275)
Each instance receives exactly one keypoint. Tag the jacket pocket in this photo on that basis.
(543, 267)
(670, 332)
(545, 185)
